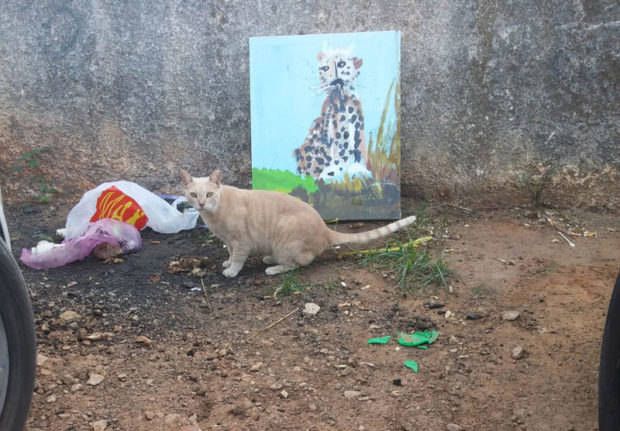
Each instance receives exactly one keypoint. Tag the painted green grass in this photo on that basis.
(282, 181)
(384, 151)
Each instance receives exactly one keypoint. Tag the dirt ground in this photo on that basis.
(150, 350)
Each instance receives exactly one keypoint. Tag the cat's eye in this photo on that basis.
(324, 68)
(341, 63)
(209, 194)
(194, 195)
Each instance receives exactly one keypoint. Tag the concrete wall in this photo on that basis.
(499, 98)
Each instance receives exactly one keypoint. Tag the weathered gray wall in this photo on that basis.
(490, 90)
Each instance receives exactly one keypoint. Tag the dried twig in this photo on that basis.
(572, 244)
(205, 291)
(273, 324)
(560, 231)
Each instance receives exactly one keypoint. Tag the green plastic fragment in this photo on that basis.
(417, 338)
(380, 340)
(434, 335)
(413, 365)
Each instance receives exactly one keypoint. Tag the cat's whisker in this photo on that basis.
(324, 90)
(323, 86)
(358, 85)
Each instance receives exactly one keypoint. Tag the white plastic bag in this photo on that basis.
(128, 202)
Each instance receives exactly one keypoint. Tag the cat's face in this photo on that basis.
(338, 69)
(203, 193)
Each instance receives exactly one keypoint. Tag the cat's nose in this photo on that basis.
(201, 204)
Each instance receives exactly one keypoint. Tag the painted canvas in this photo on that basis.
(326, 121)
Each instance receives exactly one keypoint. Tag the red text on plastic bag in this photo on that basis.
(116, 205)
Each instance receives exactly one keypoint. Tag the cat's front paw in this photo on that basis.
(230, 273)
(226, 263)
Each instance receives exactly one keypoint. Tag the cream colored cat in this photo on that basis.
(285, 230)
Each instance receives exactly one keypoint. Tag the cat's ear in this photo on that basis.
(186, 178)
(357, 62)
(216, 177)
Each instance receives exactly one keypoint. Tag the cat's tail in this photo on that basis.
(336, 238)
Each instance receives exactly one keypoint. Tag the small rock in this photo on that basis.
(352, 394)
(98, 336)
(94, 379)
(430, 305)
(518, 352)
(141, 339)
(283, 394)
(149, 415)
(473, 316)
(122, 377)
(76, 387)
(172, 418)
(69, 316)
(423, 323)
(99, 425)
(510, 315)
(238, 411)
(68, 379)
(51, 399)
(41, 360)
(454, 427)
(346, 371)
(311, 309)
(257, 366)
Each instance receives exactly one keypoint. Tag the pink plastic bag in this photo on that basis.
(106, 230)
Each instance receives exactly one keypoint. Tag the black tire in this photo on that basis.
(18, 340)
(609, 369)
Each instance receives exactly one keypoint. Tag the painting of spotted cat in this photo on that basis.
(335, 144)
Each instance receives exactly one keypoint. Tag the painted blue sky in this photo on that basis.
(283, 72)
